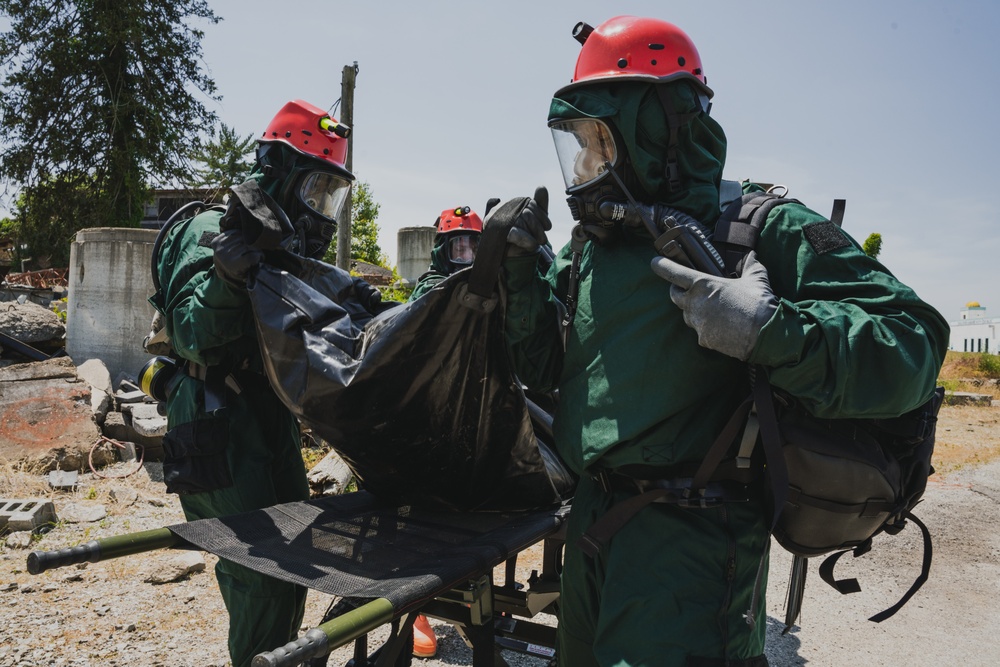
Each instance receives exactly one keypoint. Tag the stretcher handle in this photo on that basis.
(329, 636)
(103, 549)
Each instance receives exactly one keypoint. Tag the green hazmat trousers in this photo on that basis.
(639, 396)
(245, 456)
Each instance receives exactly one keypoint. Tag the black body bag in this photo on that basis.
(419, 399)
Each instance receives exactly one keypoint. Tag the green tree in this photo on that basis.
(104, 92)
(226, 160)
(48, 215)
(364, 228)
(873, 245)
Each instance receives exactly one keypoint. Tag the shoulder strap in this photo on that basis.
(738, 228)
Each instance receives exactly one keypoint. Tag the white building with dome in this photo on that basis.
(975, 331)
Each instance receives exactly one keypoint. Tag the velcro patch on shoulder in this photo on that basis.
(824, 236)
(206, 239)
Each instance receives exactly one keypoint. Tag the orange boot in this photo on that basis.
(425, 644)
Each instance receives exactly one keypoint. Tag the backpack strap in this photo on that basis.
(739, 226)
(837, 215)
(847, 586)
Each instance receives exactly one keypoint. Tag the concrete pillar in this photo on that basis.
(107, 314)
(414, 251)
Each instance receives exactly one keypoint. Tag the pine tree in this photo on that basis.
(364, 228)
(224, 160)
(99, 98)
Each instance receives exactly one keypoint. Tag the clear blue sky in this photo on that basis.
(890, 104)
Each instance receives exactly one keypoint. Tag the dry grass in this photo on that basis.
(972, 372)
(21, 480)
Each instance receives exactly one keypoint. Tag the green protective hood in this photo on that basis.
(635, 111)
(439, 255)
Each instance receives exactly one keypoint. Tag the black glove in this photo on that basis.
(234, 258)
(528, 232)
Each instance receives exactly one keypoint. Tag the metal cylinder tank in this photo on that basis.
(107, 315)
(414, 245)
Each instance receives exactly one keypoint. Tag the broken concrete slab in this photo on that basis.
(146, 418)
(30, 323)
(45, 416)
(82, 512)
(119, 427)
(19, 540)
(95, 373)
(330, 476)
(123, 495)
(176, 568)
(967, 398)
(64, 480)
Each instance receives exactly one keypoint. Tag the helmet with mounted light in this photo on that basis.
(303, 150)
(634, 125)
(457, 239)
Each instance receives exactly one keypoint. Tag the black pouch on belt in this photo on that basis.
(195, 456)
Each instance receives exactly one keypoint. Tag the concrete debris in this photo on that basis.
(95, 373)
(177, 568)
(47, 418)
(330, 476)
(54, 413)
(967, 398)
(64, 480)
(19, 540)
(119, 426)
(30, 323)
(83, 512)
(146, 418)
(123, 495)
(26, 514)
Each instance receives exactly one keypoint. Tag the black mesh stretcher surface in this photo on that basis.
(356, 545)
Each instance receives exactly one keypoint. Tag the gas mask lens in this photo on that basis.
(324, 193)
(462, 249)
(583, 146)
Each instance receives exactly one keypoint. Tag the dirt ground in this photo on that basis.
(106, 614)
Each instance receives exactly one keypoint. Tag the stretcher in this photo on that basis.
(385, 562)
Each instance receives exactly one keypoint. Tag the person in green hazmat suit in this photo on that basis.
(455, 246)
(232, 446)
(654, 361)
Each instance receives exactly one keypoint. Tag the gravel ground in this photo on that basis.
(106, 614)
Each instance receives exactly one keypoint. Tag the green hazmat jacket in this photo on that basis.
(438, 270)
(208, 320)
(848, 339)
(242, 458)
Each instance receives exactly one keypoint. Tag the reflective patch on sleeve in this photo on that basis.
(824, 236)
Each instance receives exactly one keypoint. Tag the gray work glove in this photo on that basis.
(726, 313)
(528, 232)
(234, 258)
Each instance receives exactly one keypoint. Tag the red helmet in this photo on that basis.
(633, 48)
(310, 131)
(461, 219)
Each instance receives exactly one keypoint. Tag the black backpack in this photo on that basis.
(834, 483)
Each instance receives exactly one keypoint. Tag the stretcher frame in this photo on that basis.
(489, 616)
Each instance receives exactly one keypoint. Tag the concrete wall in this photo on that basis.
(107, 313)
(414, 251)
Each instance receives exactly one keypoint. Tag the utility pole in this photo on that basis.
(347, 118)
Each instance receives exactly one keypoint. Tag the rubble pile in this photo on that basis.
(56, 415)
